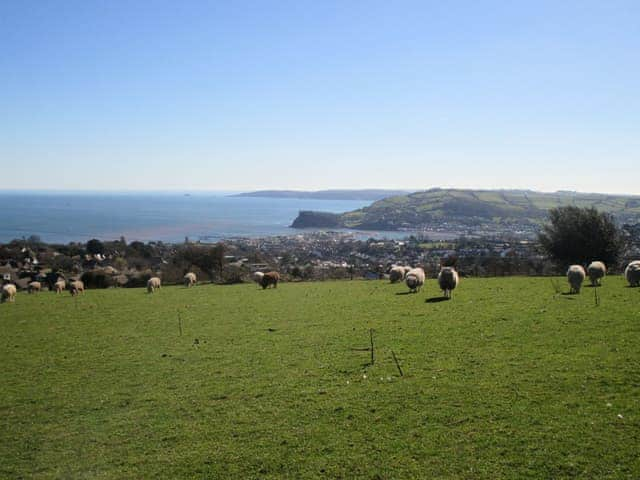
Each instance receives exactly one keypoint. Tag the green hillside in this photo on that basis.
(507, 380)
(472, 206)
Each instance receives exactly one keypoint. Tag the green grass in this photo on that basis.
(507, 380)
(510, 205)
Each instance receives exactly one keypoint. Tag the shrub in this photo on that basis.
(96, 279)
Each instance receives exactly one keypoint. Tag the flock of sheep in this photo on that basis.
(9, 290)
(448, 279)
(76, 287)
(596, 271)
(265, 280)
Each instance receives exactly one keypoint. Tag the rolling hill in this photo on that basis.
(467, 206)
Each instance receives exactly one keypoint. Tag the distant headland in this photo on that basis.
(334, 194)
(490, 210)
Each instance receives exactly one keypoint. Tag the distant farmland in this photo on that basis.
(508, 380)
(468, 206)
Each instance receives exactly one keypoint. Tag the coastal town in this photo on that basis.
(309, 256)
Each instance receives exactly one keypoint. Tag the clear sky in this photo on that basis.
(320, 94)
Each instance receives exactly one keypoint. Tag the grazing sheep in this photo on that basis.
(448, 280)
(9, 293)
(189, 279)
(257, 277)
(34, 287)
(270, 278)
(153, 284)
(415, 279)
(596, 271)
(632, 273)
(406, 269)
(396, 274)
(575, 276)
(60, 285)
(76, 287)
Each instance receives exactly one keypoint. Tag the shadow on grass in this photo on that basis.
(405, 293)
(436, 299)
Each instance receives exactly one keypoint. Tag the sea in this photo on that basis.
(63, 217)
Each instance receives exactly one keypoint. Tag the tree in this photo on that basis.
(296, 272)
(120, 264)
(139, 249)
(62, 263)
(34, 240)
(95, 246)
(580, 235)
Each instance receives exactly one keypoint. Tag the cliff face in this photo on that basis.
(310, 219)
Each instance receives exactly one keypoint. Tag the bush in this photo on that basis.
(173, 274)
(232, 274)
(96, 279)
(95, 246)
(62, 263)
(138, 280)
(120, 264)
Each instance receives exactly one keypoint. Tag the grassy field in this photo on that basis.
(507, 380)
(421, 208)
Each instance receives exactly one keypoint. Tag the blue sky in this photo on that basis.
(346, 94)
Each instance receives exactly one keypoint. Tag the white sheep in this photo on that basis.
(9, 293)
(415, 279)
(34, 287)
(575, 276)
(596, 271)
(448, 280)
(632, 273)
(396, 274)
(153, 284)
(60, 285)
(190, 279)
(257, 277)
(76, 287)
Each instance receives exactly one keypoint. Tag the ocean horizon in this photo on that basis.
(168, 216)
